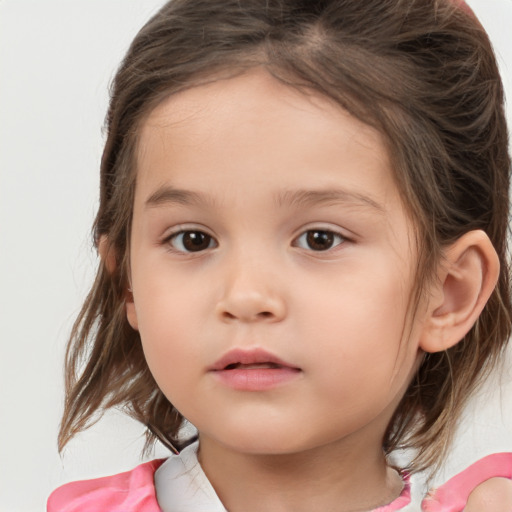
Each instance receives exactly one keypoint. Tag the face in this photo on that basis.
(271, 267)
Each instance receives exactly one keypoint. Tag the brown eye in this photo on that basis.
(319, 240)
(191, 241)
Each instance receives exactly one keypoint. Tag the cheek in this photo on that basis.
(365, 305)
(172, 359)
(168, 324)
(359, 324)
(166, 299)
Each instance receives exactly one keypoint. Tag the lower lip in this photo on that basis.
(256, 379)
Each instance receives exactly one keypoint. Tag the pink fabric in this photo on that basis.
(454, 494)
(132, 491)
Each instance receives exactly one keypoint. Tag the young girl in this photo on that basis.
(302, 230)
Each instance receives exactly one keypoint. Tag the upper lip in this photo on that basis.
(247, 356)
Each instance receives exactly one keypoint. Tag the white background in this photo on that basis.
(56, 61)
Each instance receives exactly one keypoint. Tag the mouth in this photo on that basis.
(255, 366)
(253, 370)
(255, 359)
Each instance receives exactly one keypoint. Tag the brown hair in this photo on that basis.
(421, 71)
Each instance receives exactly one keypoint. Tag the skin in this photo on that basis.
(242, 152)
(494, 495)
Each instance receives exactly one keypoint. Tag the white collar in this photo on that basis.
(182, 486)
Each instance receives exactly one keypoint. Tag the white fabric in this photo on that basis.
(417, 495)
(182, 486)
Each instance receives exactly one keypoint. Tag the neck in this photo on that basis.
(328, 478)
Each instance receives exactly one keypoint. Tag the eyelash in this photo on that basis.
(175, 236)
(333, 239)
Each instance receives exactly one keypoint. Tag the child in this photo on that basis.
(302, 229)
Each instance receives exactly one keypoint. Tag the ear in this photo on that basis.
(108, 256)
(466, 277)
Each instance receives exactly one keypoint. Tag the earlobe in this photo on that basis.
(467, 276)
(108, 256)
(131, 314)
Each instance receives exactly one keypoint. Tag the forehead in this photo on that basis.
(255, 91)
(258, 123)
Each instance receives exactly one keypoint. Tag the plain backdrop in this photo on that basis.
(56, 61)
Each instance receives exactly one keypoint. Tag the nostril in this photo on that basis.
(263, 315)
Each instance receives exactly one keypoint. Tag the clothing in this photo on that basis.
(182, 486)
(452, 496)
(132, 491)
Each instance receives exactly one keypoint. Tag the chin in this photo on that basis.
(264, 441)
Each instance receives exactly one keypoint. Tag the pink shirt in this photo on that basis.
(134, 491)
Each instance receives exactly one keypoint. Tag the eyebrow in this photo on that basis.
(334, 196)
(168, 195)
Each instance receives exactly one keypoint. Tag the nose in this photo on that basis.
(251, 294)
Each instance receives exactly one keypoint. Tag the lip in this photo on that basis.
(248, 356)
(234, 370)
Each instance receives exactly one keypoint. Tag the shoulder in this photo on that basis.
(131, 491)
(485, 484)
(493, 495)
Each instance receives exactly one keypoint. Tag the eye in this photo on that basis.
(191, 241)
(319, 240)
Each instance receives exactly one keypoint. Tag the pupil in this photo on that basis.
(195, 241)
(320, 240)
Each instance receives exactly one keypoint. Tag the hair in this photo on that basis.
(422, 72)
